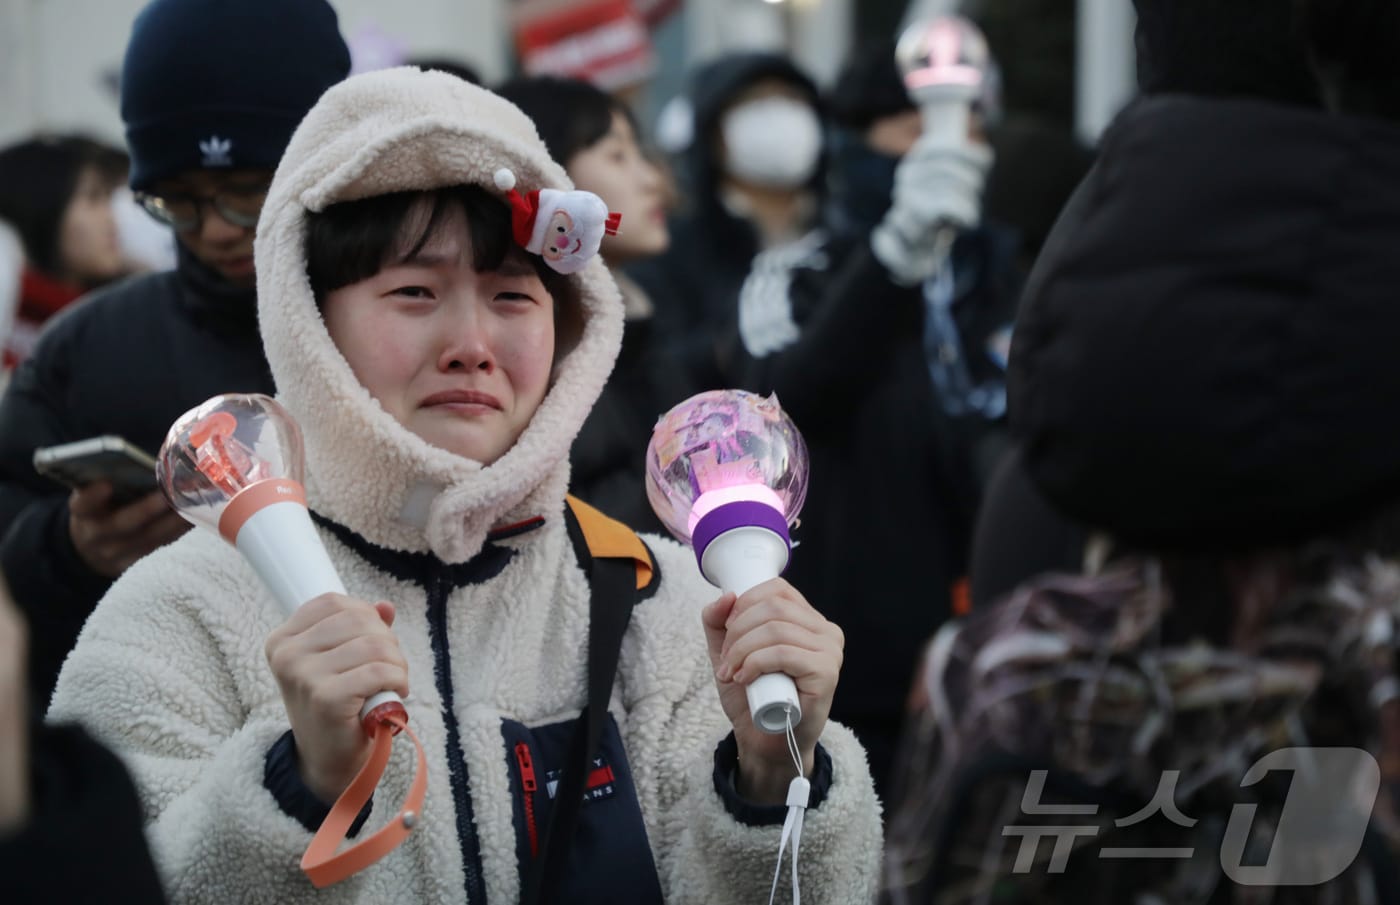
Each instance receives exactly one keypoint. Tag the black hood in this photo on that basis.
(713, 87)
(1235, 48)
(1207, 352)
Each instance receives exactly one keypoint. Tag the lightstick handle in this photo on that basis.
(738, 560)
(947, 118)
(281, 544)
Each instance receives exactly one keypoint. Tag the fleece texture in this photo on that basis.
(170, 670)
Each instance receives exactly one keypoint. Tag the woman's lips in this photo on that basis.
(461, 398)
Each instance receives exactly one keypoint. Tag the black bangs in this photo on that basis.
(353, 240)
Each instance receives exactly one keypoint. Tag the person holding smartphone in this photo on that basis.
(206, 121)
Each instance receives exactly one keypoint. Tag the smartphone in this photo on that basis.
(131, 469)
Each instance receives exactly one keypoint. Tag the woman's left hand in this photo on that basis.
(772, 628)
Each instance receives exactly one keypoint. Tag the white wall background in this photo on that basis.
(816, 32)
(1106, 77)
(59, 58)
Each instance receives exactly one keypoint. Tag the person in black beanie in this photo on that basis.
(211, 91)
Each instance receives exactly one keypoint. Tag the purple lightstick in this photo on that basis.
(727, 474)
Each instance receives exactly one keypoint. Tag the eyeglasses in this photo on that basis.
(185, 212)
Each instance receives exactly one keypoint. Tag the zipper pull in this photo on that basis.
(527, 766)
(527, 781)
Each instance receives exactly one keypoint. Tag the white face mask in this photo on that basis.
(773, 142)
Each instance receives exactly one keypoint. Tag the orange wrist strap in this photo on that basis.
(321, 863)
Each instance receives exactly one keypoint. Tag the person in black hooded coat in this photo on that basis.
(731, 216)
(1258, 201)
(1201, 375)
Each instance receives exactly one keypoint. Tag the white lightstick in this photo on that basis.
(727, 474)
(945, 61)
(234, 465)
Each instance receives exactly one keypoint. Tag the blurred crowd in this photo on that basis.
(1102, 487)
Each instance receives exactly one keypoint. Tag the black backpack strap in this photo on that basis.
(612, 584)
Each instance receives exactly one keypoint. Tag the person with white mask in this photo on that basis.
(751, 179)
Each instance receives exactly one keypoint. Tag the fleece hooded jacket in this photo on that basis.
(492, 610)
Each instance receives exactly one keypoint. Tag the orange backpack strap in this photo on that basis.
(607, 538)
(619, 568)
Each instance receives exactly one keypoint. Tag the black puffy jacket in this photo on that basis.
(127, 360)
(1206, 353)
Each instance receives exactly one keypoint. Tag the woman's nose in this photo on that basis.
(467, 345)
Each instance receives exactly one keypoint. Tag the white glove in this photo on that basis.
(937, 191)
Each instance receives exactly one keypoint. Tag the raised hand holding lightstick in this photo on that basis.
(234, 465)
(938, 183)
(727, 474)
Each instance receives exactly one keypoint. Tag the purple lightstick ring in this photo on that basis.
(739, 514)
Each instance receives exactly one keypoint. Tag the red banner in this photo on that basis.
(605, 42)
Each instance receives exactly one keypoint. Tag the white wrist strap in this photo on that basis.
(799, 795)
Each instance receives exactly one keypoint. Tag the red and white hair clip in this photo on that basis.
(565, 228)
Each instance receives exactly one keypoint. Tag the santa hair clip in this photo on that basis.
(564, 228)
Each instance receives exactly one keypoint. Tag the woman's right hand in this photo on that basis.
(328, 658)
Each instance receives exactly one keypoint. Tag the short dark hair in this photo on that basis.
(37, 180)
(464, 71)
(868, 88)
(570, 115)
(352, 240)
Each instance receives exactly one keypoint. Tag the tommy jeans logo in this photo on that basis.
(600, 782)
(217, 152)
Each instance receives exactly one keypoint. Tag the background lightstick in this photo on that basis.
(946, 65)
(727, 474)
(945, 61)
(234, 465)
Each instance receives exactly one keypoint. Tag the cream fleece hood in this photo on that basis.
(396, 130)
